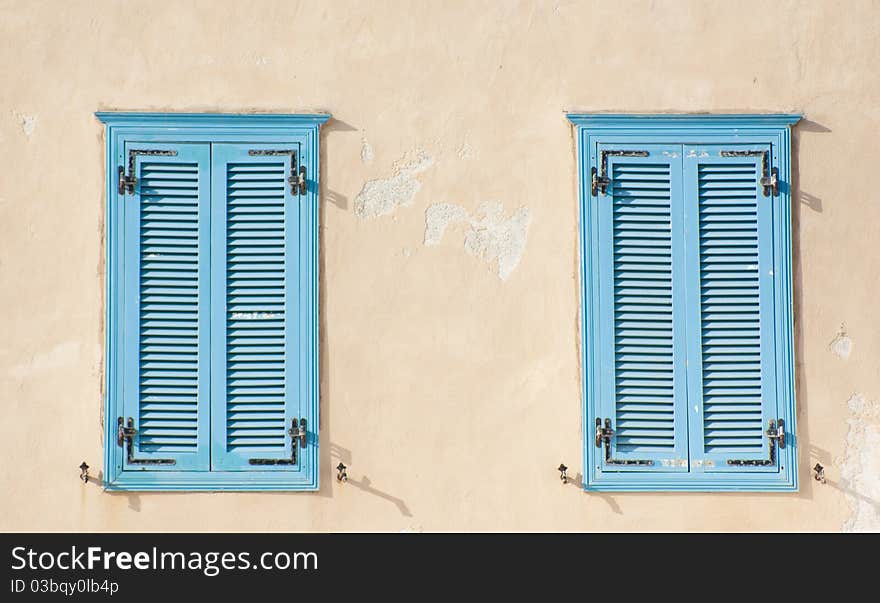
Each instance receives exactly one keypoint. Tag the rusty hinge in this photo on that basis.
(769, 179)
(297, 433)
(125, 435)
(604, 433)
(298, 181)
(127, 183)
(599, 178)
(297, 178)
(776, 434)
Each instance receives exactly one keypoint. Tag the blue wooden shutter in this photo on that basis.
(641, 309)
(166, 305)
(731, 333)
(257, 328)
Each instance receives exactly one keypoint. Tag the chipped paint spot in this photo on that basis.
(366, 151)
(490, 236)
(692, 153)
(27, 122)
(841, 345)
(860, 465)
(674, 462)
(407, 252)
(672, 155)
(704, 154)
(256, 315)
(438, 217)
(384, 196)
(465, 151)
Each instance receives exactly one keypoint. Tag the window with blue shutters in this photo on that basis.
(687, 302)
(212, 364)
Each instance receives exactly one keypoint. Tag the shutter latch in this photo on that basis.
(297, 433)
(125, 437)
(604, 433)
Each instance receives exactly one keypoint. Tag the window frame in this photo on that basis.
(684, 129)
(208, 128)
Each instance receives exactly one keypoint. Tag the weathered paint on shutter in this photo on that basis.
(642, 308)
(166, 305)
(256, 329)
(732, 381)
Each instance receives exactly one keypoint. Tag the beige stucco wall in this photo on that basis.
(450, 392)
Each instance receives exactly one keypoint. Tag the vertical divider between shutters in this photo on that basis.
(218, 303)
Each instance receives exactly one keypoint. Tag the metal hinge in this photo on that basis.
(125, 437)
(600, 180)
(604, 433)
(297, 179)
(776, 434)
(769, 179)
(297, 433)
(127, 183)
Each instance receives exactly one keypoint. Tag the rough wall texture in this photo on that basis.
(451, 393)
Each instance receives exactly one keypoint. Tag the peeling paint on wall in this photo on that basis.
(841, 345)
(366, 151)
(490, 236)
(27, 122)
(465, 151)
(860, 466)
(384, 196)
(438, 217)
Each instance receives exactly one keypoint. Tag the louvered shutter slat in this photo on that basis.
(639, 274)
(166, 262)
(255, 397)
(732, 345)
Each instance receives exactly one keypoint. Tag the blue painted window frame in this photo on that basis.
(762, 129)
(212, 128)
